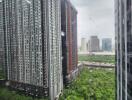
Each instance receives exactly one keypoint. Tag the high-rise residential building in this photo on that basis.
(94, 44)
(1, 38)
(32, 31)
(107, 44)
(69, 40)
(83, 45)
(123, 23)
(1, 25)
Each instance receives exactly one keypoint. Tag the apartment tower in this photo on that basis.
(2, 69)
(69, 40)
(32, 35)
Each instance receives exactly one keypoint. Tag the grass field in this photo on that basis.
(98, 58)
(92, 84)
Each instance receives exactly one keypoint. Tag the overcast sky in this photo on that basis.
(95, 17)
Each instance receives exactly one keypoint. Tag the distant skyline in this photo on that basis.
(95, 17)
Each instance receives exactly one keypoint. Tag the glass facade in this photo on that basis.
(123, 49)
(107, 44)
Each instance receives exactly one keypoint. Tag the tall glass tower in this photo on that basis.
(123, 12)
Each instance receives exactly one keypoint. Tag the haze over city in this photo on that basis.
(95, 17)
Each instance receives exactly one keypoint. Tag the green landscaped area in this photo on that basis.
(92, 84)
(97, 58)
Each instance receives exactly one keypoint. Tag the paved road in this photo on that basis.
(97, 64)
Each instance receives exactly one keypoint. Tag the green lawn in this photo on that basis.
(92, 84)
(98, 58)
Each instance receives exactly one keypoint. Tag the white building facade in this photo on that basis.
(33, 44)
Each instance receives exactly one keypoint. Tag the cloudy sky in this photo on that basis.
(95, 17)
